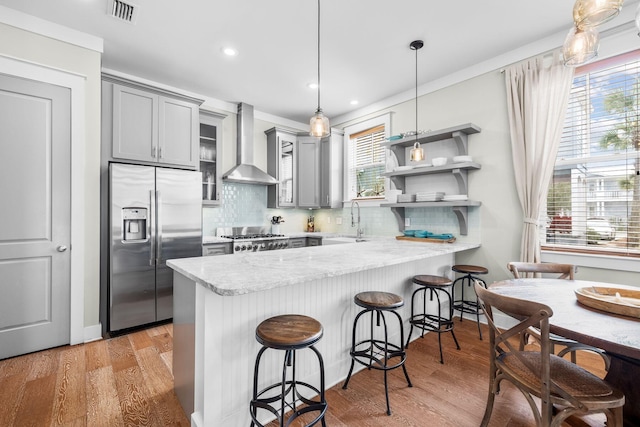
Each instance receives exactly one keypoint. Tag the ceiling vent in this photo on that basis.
(127, 12)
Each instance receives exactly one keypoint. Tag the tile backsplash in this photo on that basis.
(246, 205)
(242, 204)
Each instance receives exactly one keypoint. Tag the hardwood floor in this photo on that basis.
(127, 381)
(122, 381)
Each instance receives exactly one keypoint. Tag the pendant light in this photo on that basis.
(417, 153)
(638, 19)
(319, 123)
(580, 46)
(590, 13)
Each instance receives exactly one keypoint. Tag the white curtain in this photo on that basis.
(537, 95)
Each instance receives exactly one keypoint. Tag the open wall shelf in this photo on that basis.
(459, 135)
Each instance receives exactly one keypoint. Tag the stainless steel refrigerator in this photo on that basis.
(155, 215)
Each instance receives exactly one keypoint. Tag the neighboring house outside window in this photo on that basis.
(365, 159)
(593, 204)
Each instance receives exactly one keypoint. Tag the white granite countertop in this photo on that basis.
(244, 273)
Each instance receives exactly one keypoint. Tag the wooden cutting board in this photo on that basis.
(613, 300)
(425, 239)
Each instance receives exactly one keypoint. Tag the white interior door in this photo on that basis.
(35, 215)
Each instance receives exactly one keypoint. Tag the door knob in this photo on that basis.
(61, 248)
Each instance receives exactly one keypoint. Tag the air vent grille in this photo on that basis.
(127, 12)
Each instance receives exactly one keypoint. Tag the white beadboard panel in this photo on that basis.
(227, 348)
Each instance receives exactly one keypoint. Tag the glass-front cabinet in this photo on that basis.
(286, 171)
(282, 164)
(211, 156)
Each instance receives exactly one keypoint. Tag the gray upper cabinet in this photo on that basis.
(309, 169)
(282, 164)
(331, 170)
(211, 156)
(151, 126)
(135, 124)
(308, 172)
(179, 132)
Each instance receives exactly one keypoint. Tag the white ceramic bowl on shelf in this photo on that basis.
(439, 161)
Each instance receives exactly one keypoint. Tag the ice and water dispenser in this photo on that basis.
(134, 224)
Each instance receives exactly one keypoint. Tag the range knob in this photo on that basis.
(271, 245)
(255, 246)
(238, 248)
(243, 247)
(263, 245)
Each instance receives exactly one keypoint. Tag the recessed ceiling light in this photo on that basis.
(354, 102)
(229, 51)
(312, 85)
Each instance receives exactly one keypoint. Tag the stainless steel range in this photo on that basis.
(253, 239)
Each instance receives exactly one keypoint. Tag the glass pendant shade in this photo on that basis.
(580, 46)
(319, 125)
(417, 153)
(589, 13)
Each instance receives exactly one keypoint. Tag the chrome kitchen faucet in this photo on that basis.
(353, 224)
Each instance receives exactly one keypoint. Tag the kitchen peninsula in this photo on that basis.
(219, 301)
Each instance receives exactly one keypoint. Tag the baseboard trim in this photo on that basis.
(92, 333)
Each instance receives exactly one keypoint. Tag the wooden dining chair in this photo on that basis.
(555, 381)
(566, 271)
(530, 269)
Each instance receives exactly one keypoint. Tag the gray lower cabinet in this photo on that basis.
(212, 249)
(314, 241)
(151, 126)
(184, 341)
(301, 242)
(297, 242)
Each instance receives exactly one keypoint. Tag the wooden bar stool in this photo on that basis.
(288, 332)
(463, 305)
(376, 353)
(438, 323)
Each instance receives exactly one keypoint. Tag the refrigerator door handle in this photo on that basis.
(152, 222)
(159, 228)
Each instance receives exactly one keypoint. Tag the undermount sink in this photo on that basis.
(340, 240)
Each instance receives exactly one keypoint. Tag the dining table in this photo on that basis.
(617, 335)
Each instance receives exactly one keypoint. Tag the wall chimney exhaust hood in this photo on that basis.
(245, 172)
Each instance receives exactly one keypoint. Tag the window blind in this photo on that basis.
(593, 202)
(366, 163)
